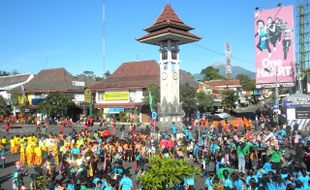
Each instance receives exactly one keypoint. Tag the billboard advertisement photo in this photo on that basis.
(274, 46)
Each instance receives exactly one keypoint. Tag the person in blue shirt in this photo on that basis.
(209, 181)
(251, 176)
(99, 186)
(174, 130)
(75, 151)
(279, 183)
(189, 182)
(267, 167)
(196, 152)
(2, 155)
(238, 183)
(108, 183)
(166, 135)
(228, 184)
(70, 185)
(253, 185)
(125, 183)
(299, 186)
(303, 177)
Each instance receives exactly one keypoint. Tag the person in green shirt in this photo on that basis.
(276, 157)
(241, 160)
(44, 131)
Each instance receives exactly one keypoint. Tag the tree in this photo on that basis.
(86, 74)
(107, 74)
(89, 73)
(246, 82)
(211, 73)
(14, 72)
(57, 103)
(155, 93)
(229, 98)
(4, 107)
(189, 98)
(164, 173)
(4, 73)
(205, 101)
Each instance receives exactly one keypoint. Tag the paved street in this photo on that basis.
(6, 173)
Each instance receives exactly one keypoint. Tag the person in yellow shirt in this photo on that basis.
(12, 145)
(56, 152)
(38, 156)
(17, 143)
(22, 156)
(3, 141)
(30, 153)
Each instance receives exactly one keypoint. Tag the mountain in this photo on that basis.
(186, 77)
(236, 70)
(198, 76)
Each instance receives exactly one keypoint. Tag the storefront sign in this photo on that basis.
(297, 102)
(302, 113)
(87, 95)
(112, 96)
(113, 110)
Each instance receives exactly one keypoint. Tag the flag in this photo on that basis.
(150, 100)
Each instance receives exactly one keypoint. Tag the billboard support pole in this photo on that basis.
(277, 95)
(91, 107)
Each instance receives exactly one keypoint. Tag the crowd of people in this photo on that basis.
(251, 155)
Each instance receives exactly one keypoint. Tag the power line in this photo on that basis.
(222, 54)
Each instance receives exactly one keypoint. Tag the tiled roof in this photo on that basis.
(169, 23)
(6, 81)
(131, 75)
(138, 75)
(221, 82)
(169, 30)
(52, 80)
(168, 17)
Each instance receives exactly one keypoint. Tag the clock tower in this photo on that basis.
(169, 32)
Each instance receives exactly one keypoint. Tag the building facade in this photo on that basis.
(122, 95)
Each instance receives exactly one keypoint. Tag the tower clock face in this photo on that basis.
(164, 76)
(175, 75)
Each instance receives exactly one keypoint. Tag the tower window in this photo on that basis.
(174, 55)
(164, 55)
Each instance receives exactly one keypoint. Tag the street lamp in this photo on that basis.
(276, 92)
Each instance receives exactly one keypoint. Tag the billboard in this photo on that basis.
(112, 96)
(274, 45)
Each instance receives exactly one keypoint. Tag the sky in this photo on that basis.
(100, 35)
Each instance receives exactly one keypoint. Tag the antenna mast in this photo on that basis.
(228, 60)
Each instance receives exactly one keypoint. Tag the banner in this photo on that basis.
(113, 110)
(87, 95)
(297, 102)
(112, 96)
(274, 44)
